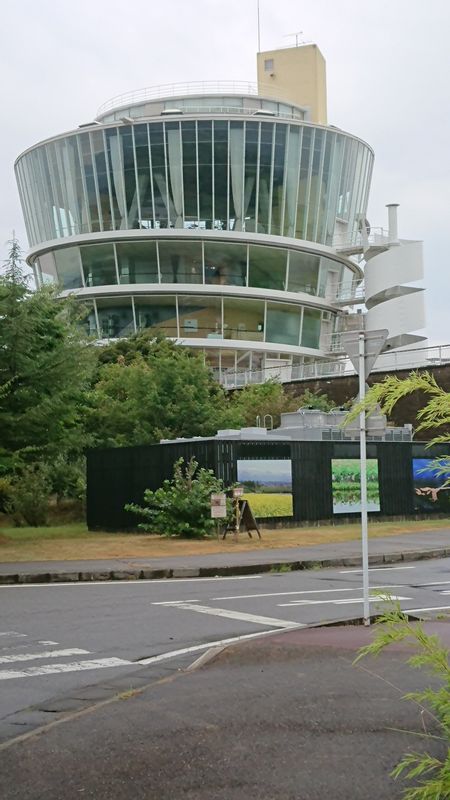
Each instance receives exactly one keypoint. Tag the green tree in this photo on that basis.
(159, 391)
(45, 370)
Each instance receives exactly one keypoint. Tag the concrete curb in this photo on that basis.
(208, 572)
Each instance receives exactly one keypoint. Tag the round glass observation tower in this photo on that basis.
(208, 212)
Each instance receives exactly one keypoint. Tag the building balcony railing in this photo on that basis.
(416, 358)
(178, 90)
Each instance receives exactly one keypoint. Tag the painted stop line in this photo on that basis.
(342, 601)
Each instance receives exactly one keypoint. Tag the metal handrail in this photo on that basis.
(415, 358)
(178, 89)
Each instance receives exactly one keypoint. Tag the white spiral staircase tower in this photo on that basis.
(390, 301)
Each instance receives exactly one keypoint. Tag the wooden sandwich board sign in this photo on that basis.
(243, 515)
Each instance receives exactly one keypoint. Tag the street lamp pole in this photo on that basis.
(363, 473)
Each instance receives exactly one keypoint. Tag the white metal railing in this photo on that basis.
(363, 240)
(178, 89)
(416, 358)
(347, 293)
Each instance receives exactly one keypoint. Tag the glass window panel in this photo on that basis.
(48, 269)
(189, 139)
(200, 317)
(143, 175)
(158, 158)
(115, 317)
(180, 262)
(283, 323)
(126, 139)
(98, 150)
(158, 313)
(99, 265)
(305, 160)
(87, 321)
(251, 164)
(137, 262)
(225, 264)
(243, 319)
(265, 165)
(311, 328)
(220, 174)
(267, 267)
(68, 268)
(116, 178)
(303, 272)
(205, 172)
(86, 158)
(278, 178)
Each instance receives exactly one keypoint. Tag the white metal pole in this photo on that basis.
(363, 468)
(259, 26)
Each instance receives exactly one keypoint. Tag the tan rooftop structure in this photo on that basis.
(296, 74)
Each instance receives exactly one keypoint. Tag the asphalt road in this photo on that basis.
(62, 646)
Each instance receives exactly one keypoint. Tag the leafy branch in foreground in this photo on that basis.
(385, 395)
(431, 774)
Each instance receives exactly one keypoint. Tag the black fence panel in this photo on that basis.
(311, 480)
(395, 478)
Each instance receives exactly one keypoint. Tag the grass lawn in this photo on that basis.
(74, 542)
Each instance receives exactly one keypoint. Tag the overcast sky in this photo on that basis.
(388, 73)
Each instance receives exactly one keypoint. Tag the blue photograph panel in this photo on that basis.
(431, 492)
(267, 486)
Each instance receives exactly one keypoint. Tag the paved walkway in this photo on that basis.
(405, 547)
(287, 717)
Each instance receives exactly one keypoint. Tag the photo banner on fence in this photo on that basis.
(346, 478)
(267, 486)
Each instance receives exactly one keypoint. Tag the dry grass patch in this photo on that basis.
(74, 542)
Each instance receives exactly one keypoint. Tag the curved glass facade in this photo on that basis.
(273, 177)
(188, 316)
(207, 262)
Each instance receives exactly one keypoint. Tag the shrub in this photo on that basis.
(5, 493)
(29, 496)
(182, 506)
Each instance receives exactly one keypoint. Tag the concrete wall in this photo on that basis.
(299, 76)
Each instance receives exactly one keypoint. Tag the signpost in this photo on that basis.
(218, 508)
(363, 349)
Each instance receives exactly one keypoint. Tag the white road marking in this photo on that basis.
(172, 602)
(74, 651)
(207, 645)
(305, 591)
(47, 642)
(341, 601)
(53, 669)
(224, 612)
(430, 608)
(372, 569)
(133, 582)
(13, 633)
(432, 583)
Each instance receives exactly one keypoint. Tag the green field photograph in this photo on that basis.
(346, 477)
(267, 485)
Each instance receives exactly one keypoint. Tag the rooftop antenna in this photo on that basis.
(296, 34)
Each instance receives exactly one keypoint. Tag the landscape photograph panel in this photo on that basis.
(430, 490)
(267, 486)
(346, 477)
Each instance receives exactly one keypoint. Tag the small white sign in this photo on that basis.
(218, 505)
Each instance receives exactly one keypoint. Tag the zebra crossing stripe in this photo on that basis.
(74, 651)
(53, 669)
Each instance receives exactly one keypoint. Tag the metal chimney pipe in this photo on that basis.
(392, 222)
